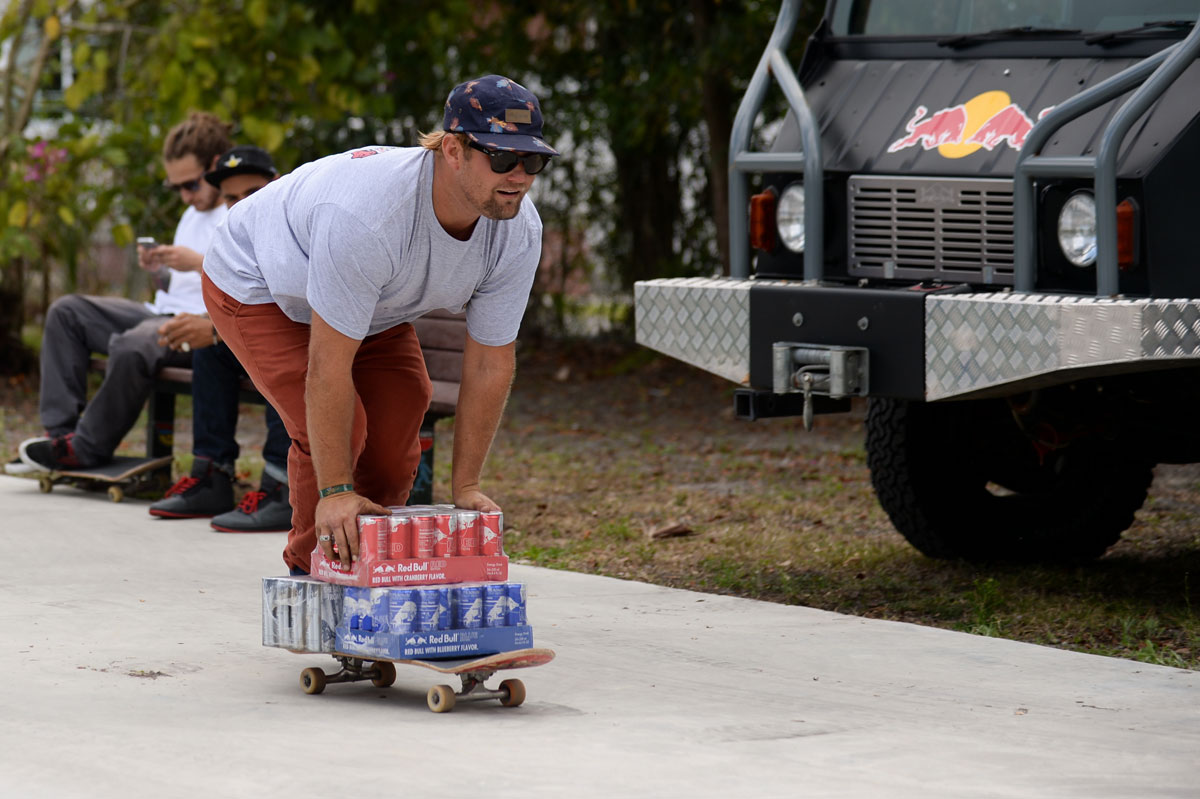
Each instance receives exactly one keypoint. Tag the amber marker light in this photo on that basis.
(1126, 225)
(762, 221)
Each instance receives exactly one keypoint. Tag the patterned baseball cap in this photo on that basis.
(497, 113)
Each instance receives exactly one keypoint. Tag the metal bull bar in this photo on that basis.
(1155, 74)
(742, 160)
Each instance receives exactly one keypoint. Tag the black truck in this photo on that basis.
(984, 216)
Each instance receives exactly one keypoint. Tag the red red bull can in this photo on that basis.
(443, 540)
(373, 532)
(399, 537)
(491, 525)
(467, 532)
(424, 535)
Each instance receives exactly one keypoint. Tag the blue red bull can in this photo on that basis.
(356, 604)
(444, 621)
(402, 602)
(378, 620)
(495, 605)
(468, 607)
(516, 604)
(427, 609)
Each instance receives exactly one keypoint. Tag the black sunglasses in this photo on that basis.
(188, 185)
(504, 161)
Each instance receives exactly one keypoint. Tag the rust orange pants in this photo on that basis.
(393, 393)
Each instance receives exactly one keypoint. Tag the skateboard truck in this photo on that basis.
(440, 698)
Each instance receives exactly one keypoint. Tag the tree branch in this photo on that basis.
(11, 70)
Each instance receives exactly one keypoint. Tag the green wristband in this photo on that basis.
(342, 488)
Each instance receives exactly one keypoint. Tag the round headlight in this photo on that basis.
(789, 217)
(1077, 229)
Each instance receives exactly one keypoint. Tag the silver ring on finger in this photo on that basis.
(325, 538)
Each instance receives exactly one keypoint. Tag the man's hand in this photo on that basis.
(181, 259)
(472, 498)
(146, 259)
(186, 332)
(337, 524)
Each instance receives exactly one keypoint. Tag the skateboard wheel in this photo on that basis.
(440, 698)
(514, 693)
(45, 484)
(115, 493)
(312, 680)
(386, 674)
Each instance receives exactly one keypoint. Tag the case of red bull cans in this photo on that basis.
(422, 545)
(300, 613)
(430, 581)
(465, 620)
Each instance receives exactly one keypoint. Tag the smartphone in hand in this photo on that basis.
(147, 242)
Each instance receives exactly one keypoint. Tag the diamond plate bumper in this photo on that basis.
(977, 342)
(974, 343)
(704, 322)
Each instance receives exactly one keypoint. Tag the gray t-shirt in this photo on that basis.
(353, 237)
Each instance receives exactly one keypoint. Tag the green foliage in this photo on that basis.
(637, 94)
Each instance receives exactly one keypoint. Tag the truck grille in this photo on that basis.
(955, 229)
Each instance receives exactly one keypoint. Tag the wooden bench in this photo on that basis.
(442, 336)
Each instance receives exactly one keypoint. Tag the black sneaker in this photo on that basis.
(207, 491)
(263, 511)
(51, 454)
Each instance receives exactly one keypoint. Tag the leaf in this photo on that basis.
(66, 214)
(82, 55)
(116, 156)
(672, 531)
(17, 214)
(256, 13)
(52, 28)
(76, 94)
(122, 235)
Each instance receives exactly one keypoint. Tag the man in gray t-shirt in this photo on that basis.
(315, 278)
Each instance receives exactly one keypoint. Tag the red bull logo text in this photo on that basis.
(985, 121)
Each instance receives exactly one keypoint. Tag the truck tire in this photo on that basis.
(936, 467)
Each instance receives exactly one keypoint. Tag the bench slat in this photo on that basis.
(441, 334)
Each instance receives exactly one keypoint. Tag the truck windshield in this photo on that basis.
(963, 17)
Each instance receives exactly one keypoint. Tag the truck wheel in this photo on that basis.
(961, 480)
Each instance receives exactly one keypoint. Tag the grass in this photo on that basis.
(601, 446)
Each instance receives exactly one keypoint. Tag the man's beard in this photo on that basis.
(492, 209)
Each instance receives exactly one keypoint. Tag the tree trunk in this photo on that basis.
(15, 357)
(718, 101)
(648, 208)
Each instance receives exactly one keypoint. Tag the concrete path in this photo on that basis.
(131, 651)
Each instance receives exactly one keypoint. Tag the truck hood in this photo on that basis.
(965, 117)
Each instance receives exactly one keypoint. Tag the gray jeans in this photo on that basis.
(78, 325)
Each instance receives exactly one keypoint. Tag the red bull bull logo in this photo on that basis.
(985, 121)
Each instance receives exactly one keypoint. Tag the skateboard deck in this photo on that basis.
(120, 475)
(440, 698)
